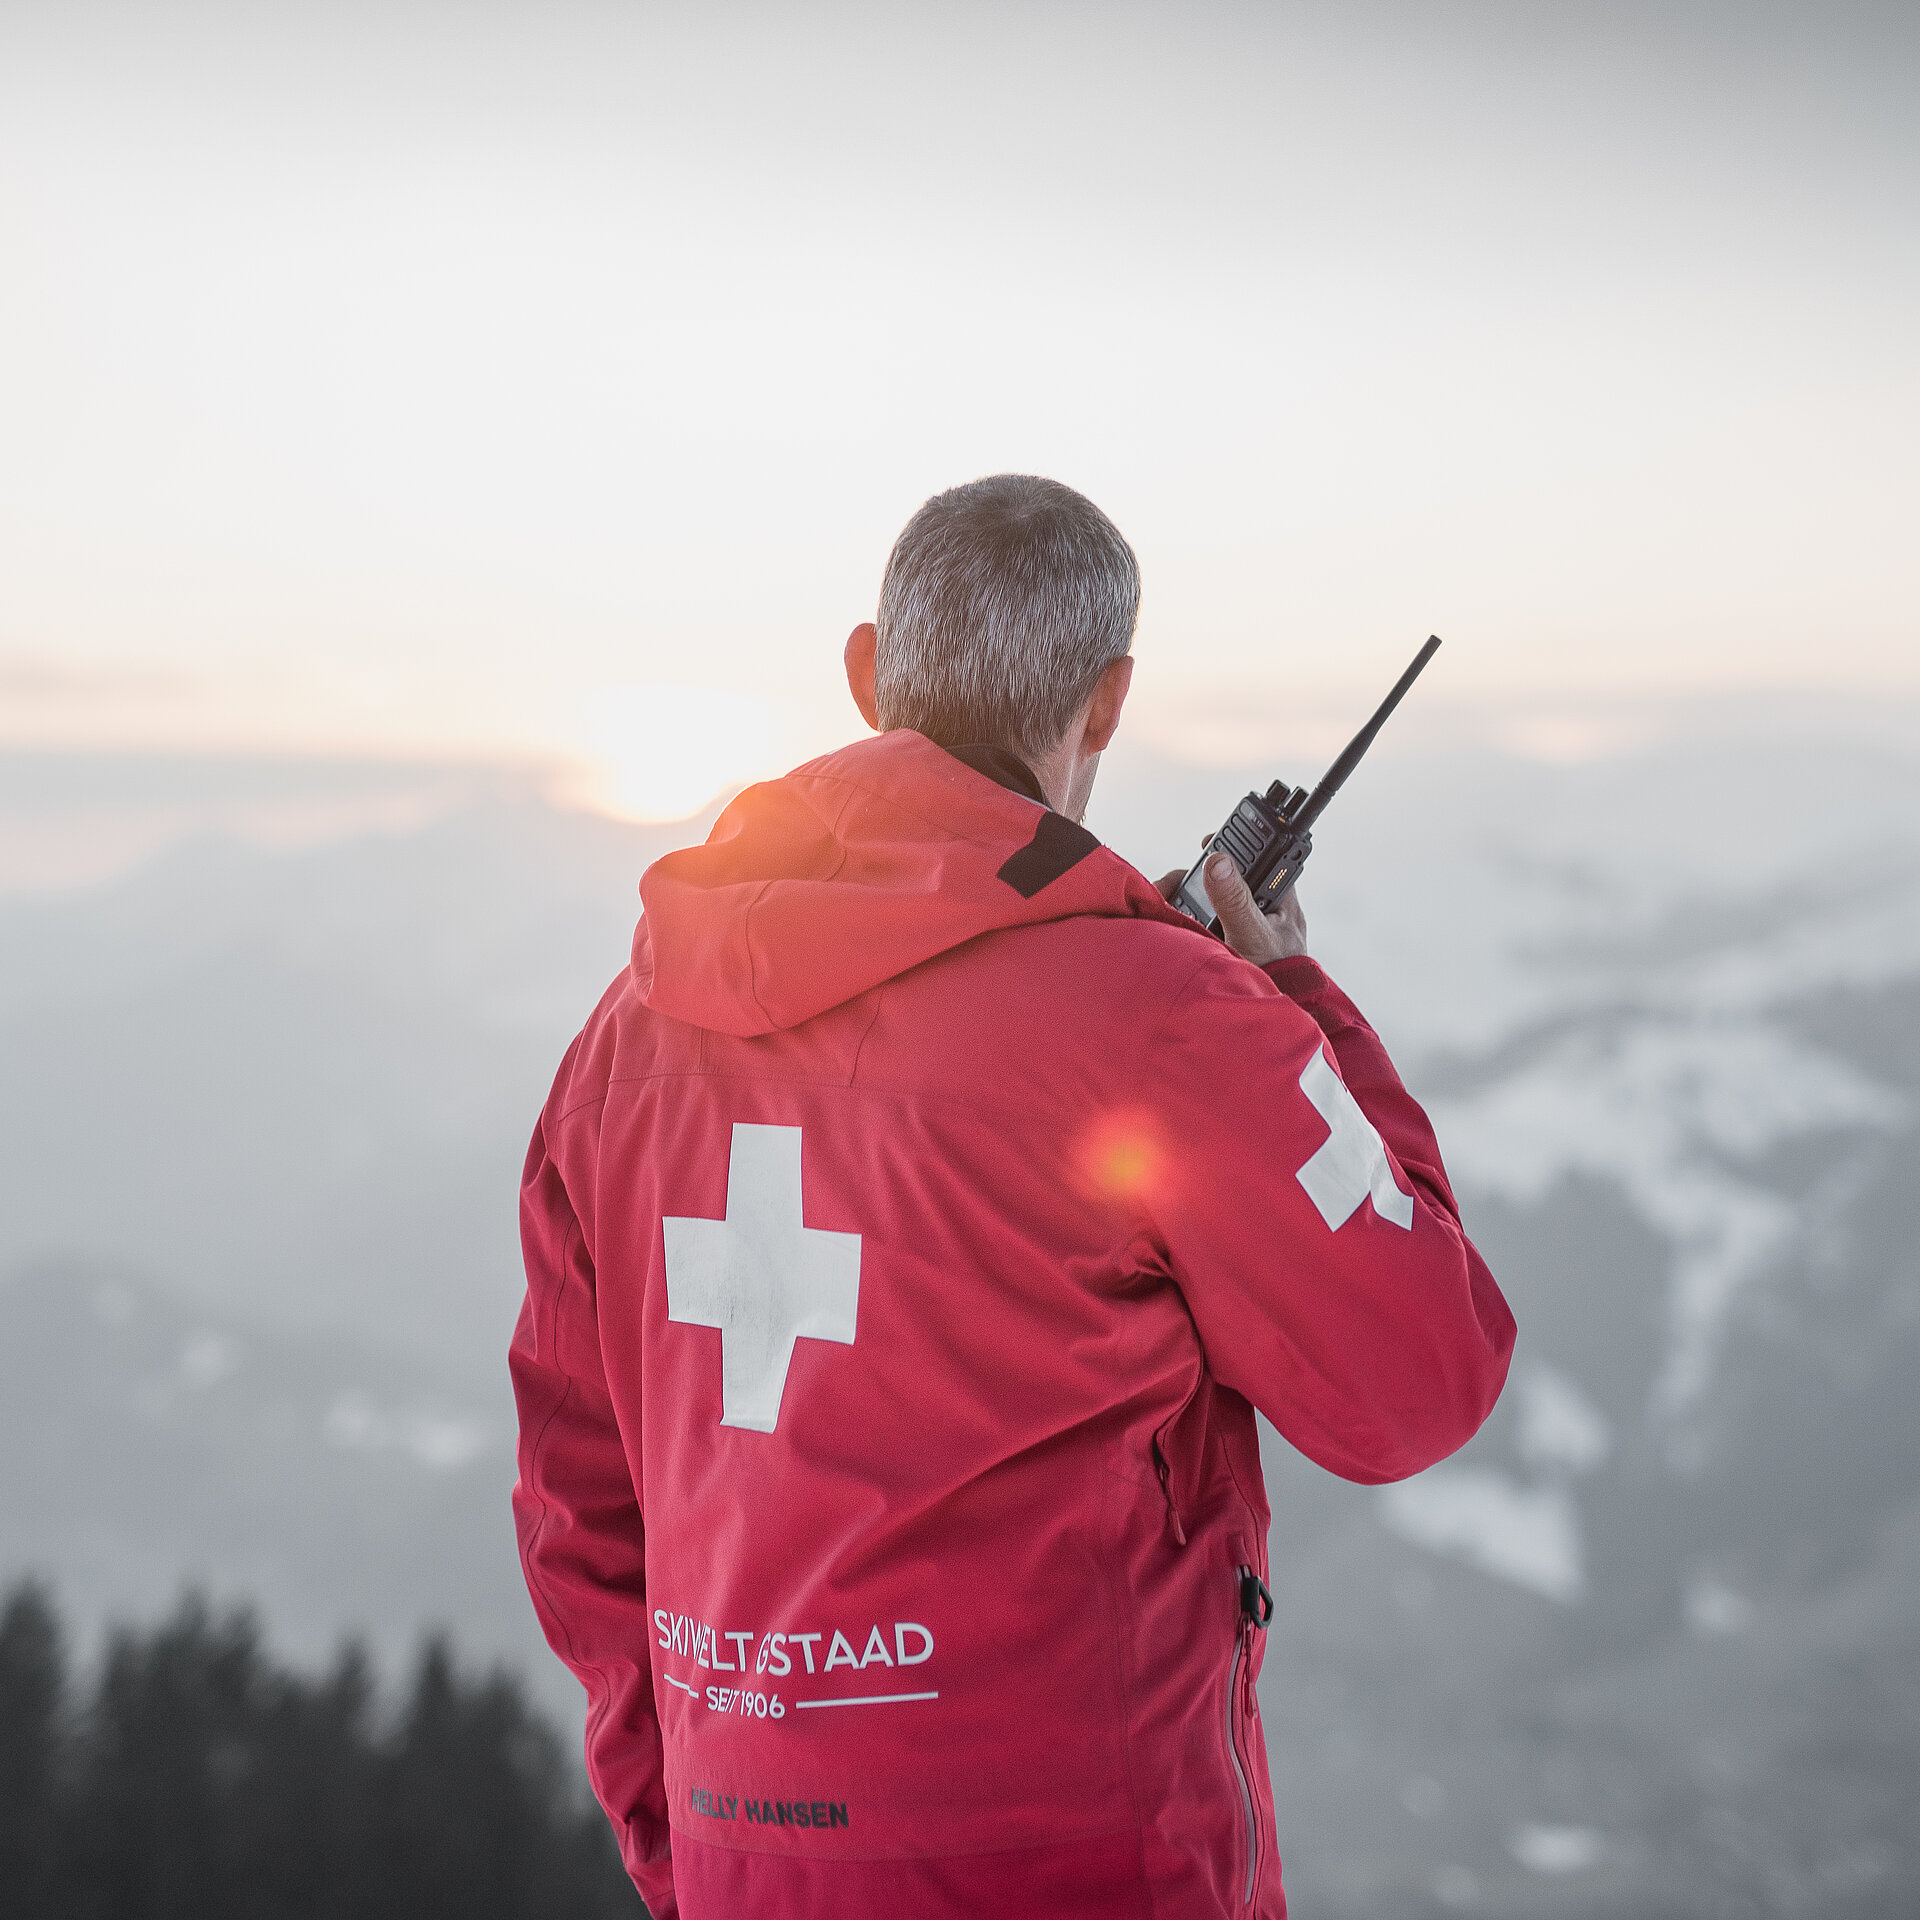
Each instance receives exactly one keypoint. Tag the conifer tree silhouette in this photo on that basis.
(167, 1752)
(202, 1780)
(477, 1817)
(32, 1705)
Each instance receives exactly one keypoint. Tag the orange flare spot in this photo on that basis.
(1122, 1156)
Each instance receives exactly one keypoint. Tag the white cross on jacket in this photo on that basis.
(761, 1276)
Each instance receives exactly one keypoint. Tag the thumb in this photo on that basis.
(1240, 919)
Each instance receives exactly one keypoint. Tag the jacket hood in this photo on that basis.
(816, 887)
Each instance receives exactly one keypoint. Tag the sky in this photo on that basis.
(545, 383)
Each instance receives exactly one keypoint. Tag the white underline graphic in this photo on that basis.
(681, 1684)
(867, 1700)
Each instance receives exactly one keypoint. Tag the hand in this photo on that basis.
(1253, 935)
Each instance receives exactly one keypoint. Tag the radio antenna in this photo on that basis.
(1336, 775)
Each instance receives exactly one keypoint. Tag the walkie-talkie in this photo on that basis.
(1268, 836)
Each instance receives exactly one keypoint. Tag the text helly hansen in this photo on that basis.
(910, 1235)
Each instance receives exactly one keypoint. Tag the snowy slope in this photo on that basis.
(1645, 1646)
(338, 1487)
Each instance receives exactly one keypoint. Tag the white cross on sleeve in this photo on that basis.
(761, 1276)
(1352, 1161)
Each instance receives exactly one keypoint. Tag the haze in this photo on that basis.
(438, 381)
(418, 419)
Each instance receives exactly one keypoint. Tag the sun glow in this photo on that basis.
(663, 752)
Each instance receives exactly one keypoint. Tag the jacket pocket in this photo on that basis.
(1179, 1456)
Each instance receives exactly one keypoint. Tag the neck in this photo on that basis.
(1066, 777)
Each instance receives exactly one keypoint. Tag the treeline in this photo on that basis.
(199, 1780)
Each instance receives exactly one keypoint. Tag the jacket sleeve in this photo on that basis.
(582, 1535)
(1307, 1218)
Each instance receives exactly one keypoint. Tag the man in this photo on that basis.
(910, 1236)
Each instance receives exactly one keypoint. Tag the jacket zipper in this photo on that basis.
(1256, 1609)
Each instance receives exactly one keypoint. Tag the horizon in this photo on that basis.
(76, 817)
(436, 384)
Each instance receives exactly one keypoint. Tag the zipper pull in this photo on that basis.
(1256, 1602)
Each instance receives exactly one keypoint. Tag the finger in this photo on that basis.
(1241, 921)
(1289, 922)
(1169, 883)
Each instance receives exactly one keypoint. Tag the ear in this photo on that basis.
(859, 658)
(1103, 711)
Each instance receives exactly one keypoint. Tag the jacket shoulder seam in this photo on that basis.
(1179, 994)
(588, 1100)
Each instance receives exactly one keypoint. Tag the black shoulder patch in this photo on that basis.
(1057, 844)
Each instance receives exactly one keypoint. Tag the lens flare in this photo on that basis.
(1122, 1156)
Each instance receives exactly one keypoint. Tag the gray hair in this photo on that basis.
(1003, 603)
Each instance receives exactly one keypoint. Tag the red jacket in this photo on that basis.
(910, 1236)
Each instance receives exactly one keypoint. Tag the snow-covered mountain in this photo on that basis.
(299, 1083)
(1646, 1646)
(338, 1486)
